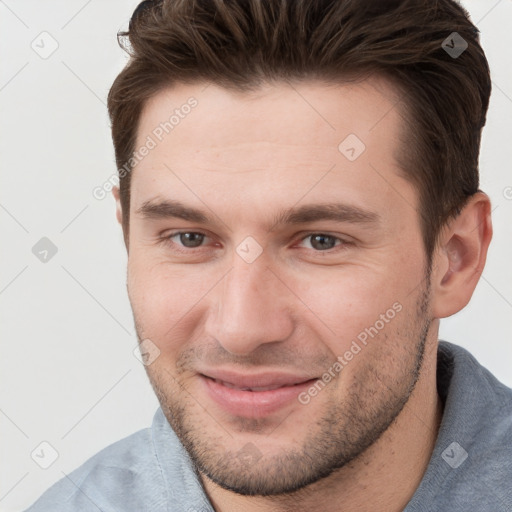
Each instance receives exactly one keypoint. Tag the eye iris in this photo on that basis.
(321, 239)
(194, 238)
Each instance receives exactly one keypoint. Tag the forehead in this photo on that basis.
(308, 138)
(270, 113)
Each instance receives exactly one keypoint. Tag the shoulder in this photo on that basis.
(471, 466)
(149, 471)
(484, 478)
(123, 476)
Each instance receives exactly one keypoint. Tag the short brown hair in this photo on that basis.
(240, 44)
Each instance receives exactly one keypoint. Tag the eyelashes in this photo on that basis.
(198, 237)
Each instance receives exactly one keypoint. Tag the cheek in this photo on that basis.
(358, 304)
(348, 295)
(165, 300)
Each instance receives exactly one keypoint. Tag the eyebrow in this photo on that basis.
(339, 212)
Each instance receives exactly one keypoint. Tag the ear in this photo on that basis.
(119, 210)
(460, 255)
(119, 214)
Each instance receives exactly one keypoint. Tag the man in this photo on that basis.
(299, 202)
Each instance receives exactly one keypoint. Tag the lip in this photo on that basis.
(229, 390)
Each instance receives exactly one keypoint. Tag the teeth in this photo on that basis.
(267, 388)
(232, 386)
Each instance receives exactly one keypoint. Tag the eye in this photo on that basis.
(186, 239)
(322, 242)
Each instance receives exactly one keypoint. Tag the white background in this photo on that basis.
(69, 376)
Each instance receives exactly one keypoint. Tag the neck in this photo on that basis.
(383, 478)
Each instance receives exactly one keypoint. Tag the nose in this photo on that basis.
(251, 307)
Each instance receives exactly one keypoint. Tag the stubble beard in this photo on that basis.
(346, 429)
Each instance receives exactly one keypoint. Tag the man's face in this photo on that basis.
(265, 292)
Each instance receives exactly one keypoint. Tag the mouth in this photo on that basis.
(254, 389)
(254, 396)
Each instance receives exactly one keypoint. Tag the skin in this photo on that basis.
(364, 441)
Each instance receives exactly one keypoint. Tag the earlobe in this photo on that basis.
(119, 211)
(460, 257)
